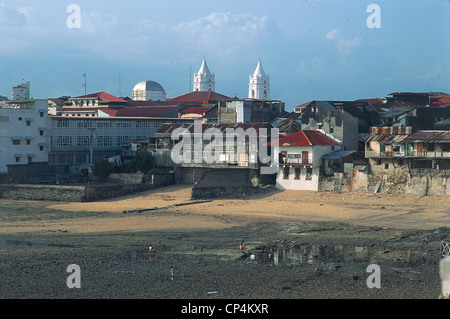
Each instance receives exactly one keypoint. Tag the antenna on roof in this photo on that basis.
(84, 84)
(120, 88)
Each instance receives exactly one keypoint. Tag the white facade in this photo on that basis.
(148, 91)
(23, 133)
(204, 80)
(300, 168)
(259, 84)
(21, 92)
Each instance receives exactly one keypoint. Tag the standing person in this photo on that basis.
(244, 196)
(172, 272)
(242, 246)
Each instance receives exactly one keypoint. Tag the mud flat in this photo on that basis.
(310, 252)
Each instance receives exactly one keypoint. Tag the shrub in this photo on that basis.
(102, 169)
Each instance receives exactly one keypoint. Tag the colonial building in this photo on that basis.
(299, 160)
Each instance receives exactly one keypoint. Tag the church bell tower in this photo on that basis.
(259, 85)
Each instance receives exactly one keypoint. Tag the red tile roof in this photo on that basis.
(204, 97)
(101, 97)
(304, 138)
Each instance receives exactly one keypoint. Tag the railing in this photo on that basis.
(390, 154)
(428, 154)
(425, 154)
(193, 159)
(298, 160)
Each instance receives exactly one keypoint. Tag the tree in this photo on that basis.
(142, 161)
(102, 168)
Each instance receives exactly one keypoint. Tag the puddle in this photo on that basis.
(310, 254)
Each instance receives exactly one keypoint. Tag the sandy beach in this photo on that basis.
(298, 245)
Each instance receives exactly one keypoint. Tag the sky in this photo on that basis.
(311, 49)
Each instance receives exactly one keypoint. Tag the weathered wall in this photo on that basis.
(399, 177)
(69, 193)
(214, 177)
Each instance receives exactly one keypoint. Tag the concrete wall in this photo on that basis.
(215, 177)
(69, 193)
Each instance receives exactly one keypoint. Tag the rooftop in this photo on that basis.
(304, 138)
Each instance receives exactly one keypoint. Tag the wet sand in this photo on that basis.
(292, 245)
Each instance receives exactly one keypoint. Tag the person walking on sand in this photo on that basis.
(244, 196)
(242, 246)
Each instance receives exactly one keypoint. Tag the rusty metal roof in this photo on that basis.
(429, 137)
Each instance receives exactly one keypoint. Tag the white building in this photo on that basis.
(259, 84)
(23, 133)
(148, 91)
(299, 158)
(204, 80)
(21, 92)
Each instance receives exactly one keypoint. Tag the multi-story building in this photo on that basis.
(81, 141)
(23, 133)
(299, 158)
(21, 92)
(249, 111)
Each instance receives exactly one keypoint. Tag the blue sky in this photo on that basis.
(312, 49)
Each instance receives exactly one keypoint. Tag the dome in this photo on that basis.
(148, 91)
(148, 86)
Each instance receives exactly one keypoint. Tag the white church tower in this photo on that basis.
(259, 86)
(204, 79)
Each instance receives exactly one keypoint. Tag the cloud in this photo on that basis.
(343, 45)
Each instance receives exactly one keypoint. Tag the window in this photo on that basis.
(305, 157)
(20, 119)
(386, 166)
(28, 123)
(41, 147)
(41, 114)
(30, 159)
(297, 173)
(17, 159)
(16, 142)
(41, 132)
(308, 173)
(28, 141)
(286, 172)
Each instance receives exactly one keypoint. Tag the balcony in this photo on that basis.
(428, 154)
(377, 154)
(304, 160)
(226, 160)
